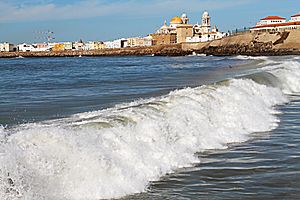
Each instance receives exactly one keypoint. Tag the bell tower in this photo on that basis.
(185, 18)
(205, 23)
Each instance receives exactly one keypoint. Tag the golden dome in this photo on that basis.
(176, 20)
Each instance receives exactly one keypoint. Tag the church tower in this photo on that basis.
(205, 23)
(185, 18)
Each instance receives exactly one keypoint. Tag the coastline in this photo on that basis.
(163, 50)
(250, 44)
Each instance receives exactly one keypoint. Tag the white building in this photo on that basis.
(78, 46)
(148, 41)
(7, 47)
(51, 45)
(295, 18)
(88, 46)
(271, 20)
(206, 37)
(68, 45)
(276, 23)
(113, 44)
(41, 47)
(26, 47)
(120, 43)
(139, 42)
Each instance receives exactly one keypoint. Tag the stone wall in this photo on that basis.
(255, 44)
(160, 50)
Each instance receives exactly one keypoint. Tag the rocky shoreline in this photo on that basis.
(251, 44)
(264, 49)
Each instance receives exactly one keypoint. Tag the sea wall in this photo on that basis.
(163, 50)
(253, 44)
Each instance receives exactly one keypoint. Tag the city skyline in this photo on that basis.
(106, 20)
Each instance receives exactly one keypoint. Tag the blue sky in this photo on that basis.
(71, 20)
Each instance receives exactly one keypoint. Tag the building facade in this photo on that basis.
(78, 45)
(116, 44)
(58, 47)
(295, 18)
(139, 42)
(99, 45)
(7, 47)
(40, 47)
(271, 20)
(277, 24)
(89, 46)
(184, 31)
(26, 47)
(69, 45)
(164, 39)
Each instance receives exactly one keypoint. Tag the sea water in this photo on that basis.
(192, 127)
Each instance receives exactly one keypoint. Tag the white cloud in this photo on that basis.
(40, 10)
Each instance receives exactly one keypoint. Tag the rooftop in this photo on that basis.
(273, 18)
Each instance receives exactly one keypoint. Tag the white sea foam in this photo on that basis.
(242, 57)
(118, 151)
(289, 76)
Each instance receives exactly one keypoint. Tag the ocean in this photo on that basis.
(193, 127)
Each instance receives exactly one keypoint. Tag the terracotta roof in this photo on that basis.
(297, 15)
(278, 24)
(273, 17)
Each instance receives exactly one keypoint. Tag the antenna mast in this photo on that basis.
(45, 35)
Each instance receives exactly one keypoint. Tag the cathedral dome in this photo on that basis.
(176, 20)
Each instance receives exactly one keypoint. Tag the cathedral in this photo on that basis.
(186, 32)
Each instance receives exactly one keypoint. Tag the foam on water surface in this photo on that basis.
(118, 151)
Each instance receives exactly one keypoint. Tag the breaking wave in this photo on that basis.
(118, 151)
